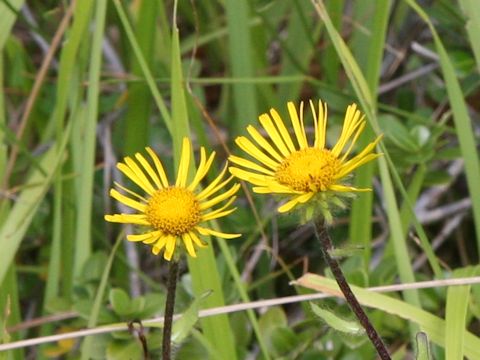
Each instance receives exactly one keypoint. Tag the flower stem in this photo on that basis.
(327, 246)
(169, 307)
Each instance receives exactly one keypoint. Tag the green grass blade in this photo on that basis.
(162, 107)
(203, 269)
(241, 63)
(368, 49)
(435, 327)
(84, 217)
(7, 19)
(461, 118)
(27, 203)
(100, 295)
(139, 102)
(471, 11)
(458, 298)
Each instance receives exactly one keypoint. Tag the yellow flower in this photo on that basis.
(301, 170)
(173, 212)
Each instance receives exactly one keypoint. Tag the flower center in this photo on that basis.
(309, 169)
(173, 210)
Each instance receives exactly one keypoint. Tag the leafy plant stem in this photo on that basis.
(169, 307)
(327, 246)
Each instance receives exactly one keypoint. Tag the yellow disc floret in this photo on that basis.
(309, 169)
(173, 210)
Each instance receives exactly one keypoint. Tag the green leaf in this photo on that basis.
(125, 350)
(423, 347)
(120, 302)
(337, 323)
(183, 326)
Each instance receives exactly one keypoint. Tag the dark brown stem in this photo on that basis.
(169, 307)
(327, 247)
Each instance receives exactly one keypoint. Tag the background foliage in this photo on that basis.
(85, 83)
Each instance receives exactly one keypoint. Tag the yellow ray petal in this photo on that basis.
(147, 185)
(214, 185)
(354, 140)
(344, 188)
(159, 245)
(283, 130)
(263, 143)
(247, 146)
(273, 133)
(158, 166)
(187, 240)
(352, 165)
(297, 124)
(249, 164)
(254, 178)
(305, 197)
(214, 201)
(216, 215)
(353, 119)
(170, 247)
(137, 219)
(184, 165)
(127, 201)
(289, 205)
(149, 170)
(206, 217)
(142, 237)
(197, 240)
(205, 232)
(320, 123)
(130, 192)
(128, 172)
(202, 168)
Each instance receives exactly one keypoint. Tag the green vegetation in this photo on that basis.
(85, 83)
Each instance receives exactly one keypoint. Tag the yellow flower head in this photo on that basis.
(298, 169)
(173, 212)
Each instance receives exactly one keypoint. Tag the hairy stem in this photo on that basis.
(327, 247)
(169, 307)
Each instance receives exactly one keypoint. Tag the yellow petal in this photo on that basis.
(249, 164)
(137, 219)
(149, 170)
(254, 178)
(197, 240)
(160, 244)
(147, 186)
(158, 166)
(247, 146)
(206, 232)
(214, 185)
(170, 247)
(128, 172)
(142, 237)
(320, 122)
(203, 168)
(283, 130)
(297, 124)
(289, 205)
(187, 240)
(263, 143)
(273, 133)
(344, 188)
(127, 201)
(214, 201)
